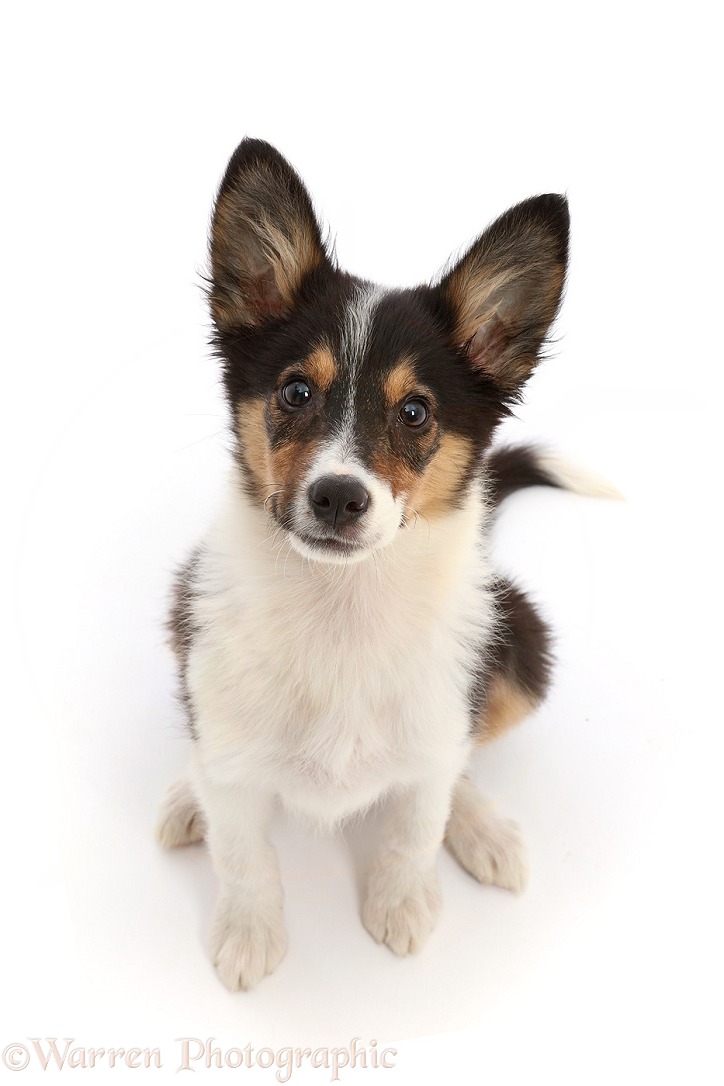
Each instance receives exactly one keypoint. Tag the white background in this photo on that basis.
(413, 125)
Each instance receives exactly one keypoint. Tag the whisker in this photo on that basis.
(427, 522)
(274, 494)
(199, 440)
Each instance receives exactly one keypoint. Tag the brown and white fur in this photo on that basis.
(341, 635)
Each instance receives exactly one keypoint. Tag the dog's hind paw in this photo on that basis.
(180, 820)
(487, 846)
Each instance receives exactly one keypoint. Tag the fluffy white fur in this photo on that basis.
(308, 686)
(573, 477)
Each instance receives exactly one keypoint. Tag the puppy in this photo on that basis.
(341, 636)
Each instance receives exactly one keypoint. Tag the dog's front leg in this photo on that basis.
(248, 937)
(403, 893)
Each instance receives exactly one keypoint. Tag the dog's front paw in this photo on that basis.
(246, 945)
(489, 848)
(401, 907)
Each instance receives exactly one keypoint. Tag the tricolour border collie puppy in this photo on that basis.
(340, 633)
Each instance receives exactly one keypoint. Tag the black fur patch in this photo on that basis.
(515, 467)
(521, 652)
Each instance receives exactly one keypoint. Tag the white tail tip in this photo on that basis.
(576, 479)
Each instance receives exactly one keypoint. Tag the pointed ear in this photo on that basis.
(504, 293)
(264, 238)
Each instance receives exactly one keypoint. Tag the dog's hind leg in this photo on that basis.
(515, 678)
(513, 682)
(487, 846)
(180, 820)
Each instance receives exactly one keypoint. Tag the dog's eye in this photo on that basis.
(414, 412)
(296, 394)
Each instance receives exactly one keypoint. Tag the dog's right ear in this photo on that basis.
(265, 238)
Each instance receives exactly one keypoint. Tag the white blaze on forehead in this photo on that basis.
(337, 456)
(356, 328)
(357, 324)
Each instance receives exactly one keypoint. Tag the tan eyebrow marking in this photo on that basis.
(321, 367)
(400, 381)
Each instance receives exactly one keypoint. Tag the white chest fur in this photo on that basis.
(330, 685)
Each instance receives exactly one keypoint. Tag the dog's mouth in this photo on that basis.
(336, 544)
(333, 548)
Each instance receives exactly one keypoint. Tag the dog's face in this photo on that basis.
(358, 410)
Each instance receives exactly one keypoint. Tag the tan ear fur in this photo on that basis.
(264, 238)
(505, 291)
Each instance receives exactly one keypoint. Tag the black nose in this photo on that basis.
(338, 499)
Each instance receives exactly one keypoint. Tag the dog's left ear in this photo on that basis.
(503, 294)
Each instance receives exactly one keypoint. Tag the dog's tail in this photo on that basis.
(514, 467)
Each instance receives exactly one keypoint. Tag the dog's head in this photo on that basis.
(358, 409)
